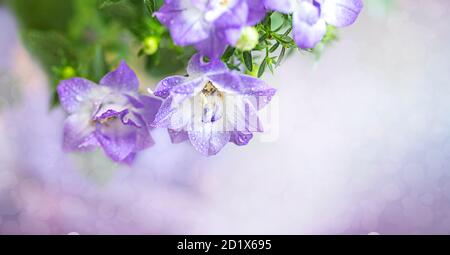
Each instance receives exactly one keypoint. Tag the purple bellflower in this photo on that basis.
(211, 106)
(111, 115)
(310, 17)
(210, 25)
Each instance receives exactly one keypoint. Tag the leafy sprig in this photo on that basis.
(274, 41)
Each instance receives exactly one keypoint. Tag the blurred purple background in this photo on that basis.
(363, 147)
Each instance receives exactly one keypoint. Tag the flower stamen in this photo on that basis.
(212, 100)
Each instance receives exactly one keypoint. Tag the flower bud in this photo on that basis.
(150, 45)
(68, 72)
(249, 39)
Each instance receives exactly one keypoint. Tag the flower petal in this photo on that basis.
(233, 35)
(173, 115)
(73, 92)
(185, 21)
(119, 125)
(78, 133)
(189, 88)
(121, 79)
(257, 12)
(163, 117)
(241, 138)
(179, 87)
(166, 85)
(341, 13)
(214, 45)
(236, 16)
(308, 27)
(143, 140)
(261, 93)
(284, 6)
(109, 114)
(226, 81)
(117, 140)
(208, 142)
(197, 66)
(143, 114)
(242, 115)
(145, 106)
(130, 159)
(178, 136)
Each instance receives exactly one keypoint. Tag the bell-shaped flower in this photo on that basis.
(211, 106)
(111, 115)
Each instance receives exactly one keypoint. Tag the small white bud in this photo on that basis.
(249, 39)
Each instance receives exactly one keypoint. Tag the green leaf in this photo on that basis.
(228, 54)
(263, 37)
(274, 47)
(267, 22)
(248, 60)
(262, 68)
(150, 5)
(270, 65)
(281, 56)
(285, 39)
(106, 3)
(331, 35)
(278, 21)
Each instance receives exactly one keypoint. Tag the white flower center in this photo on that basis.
(217, 8)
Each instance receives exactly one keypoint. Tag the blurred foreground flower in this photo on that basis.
(111, 115)
(211, 106)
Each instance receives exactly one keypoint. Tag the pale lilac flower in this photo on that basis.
(210, 25)
(111, 115)
(310, 17)
(211, 106)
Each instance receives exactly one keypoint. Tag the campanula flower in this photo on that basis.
(310, 17)
(210, 25)
(111, 115)
(211, 106)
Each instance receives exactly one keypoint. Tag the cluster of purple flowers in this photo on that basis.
(210, 106)
(211, 25)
